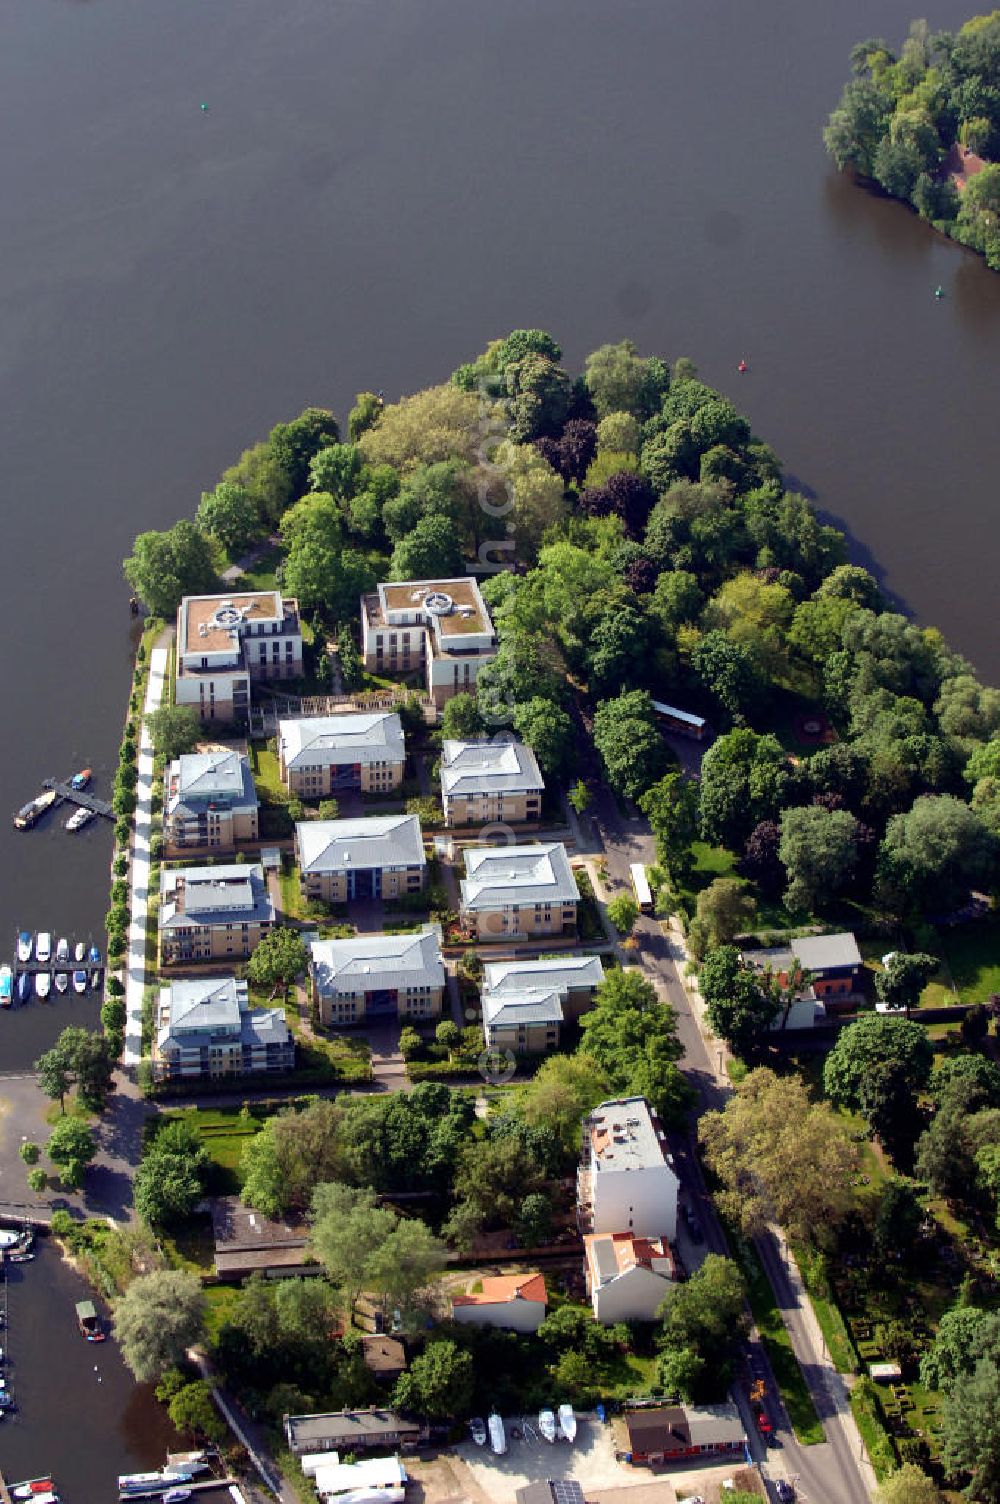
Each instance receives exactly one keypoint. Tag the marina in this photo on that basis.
(78, 967)
(72, 791)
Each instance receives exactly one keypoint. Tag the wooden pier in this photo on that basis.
(66, 791)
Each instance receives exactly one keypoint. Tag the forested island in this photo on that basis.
(925, 125)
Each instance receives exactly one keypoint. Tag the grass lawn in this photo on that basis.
(261, 575)
(220, 1301)
(192, 1247)
(224, 1131)
(266, 773)
(973, 955)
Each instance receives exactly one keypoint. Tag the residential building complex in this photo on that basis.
(626, 1182)
(206, 1028)
(525, 1003)
(209, 803)
(438, 627)
(379, 857)
(490, 780)
(519, 890)
(516, 1301)
(224, 642)
(369, 977)
(333, 754)
(627, 1277)
(212, 913)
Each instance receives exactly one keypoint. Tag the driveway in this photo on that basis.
(388, 1066)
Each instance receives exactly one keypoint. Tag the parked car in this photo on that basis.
(693, 1225)
(785, 1491)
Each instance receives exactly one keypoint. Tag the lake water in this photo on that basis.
(377, 189)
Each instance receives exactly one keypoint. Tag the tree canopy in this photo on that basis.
(157, 1319)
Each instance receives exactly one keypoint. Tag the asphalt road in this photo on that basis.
(830, 1472)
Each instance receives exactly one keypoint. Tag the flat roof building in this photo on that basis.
(381, 856)
(226, 641)
(441, 627)
(350, 1431)
(377, 976)
(212, 913)
(490, 780)
(519, 890)
(332, 754)
(627, 1181)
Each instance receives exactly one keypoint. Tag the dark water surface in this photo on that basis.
(79, 1418)
(375, 191)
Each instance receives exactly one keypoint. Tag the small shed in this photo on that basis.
(884, 1373)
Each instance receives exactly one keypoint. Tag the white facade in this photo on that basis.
(627, 1278)
(628, 1182)
(518, 1302)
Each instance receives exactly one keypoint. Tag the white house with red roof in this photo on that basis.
(627, 1277)
(517, 1301)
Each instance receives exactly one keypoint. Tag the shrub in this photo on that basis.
(37, 1179)
(62, 1223)
(120, 864)
(29, 1153)
(115, 987)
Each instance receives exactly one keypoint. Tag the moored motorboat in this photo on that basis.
(24, 945)
(24, 986)
(132, 1484)
(31, 1488)
(62, 981)
(79, 818)
(95, 980)
(79, 952)
(567, 1422)
(478, 1428)
(81, 779)
(6, 986)
(62, 949)
(176, 1495)
(43, 946)
(498, 1440)
(547, 1424)
(186, 1462)
(29, 814)
(43, 983)
(79, 981)
(94, 956)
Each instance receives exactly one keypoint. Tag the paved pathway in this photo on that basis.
(139, 871)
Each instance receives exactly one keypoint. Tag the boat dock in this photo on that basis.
(66, 791)
(193, 1485)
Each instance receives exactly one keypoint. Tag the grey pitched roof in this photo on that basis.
(202, 778)
(205, 1002)
(497, 876)
(230, 894)
(343, 845)
(330, 740)
(371, 963)
(827, 952)
(533, 1005)
(489, 767)
(558, 973)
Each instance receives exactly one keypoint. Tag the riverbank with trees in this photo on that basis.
(924, 124)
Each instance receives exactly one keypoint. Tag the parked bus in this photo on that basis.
(640, 884)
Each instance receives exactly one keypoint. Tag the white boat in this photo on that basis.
(62, 949)
(62, 981)
(43, 983)
(95, 980)
(498, 1441)
(24, 945)
(43, 946)
(79, 952)
(34, 1488)
(567, 1422)
(79, 818)
(478, 1428)
(79, 981)
(131, 1485)
(176, 1495)
(547, 1424)
(6, 986)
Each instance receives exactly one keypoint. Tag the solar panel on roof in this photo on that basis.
(566, 1491)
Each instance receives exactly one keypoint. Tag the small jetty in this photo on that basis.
(56, 791)
(66, 791)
